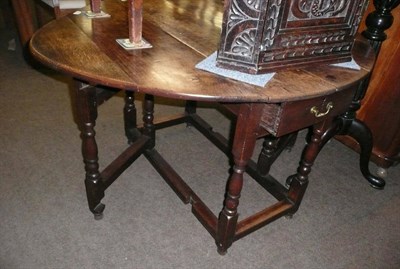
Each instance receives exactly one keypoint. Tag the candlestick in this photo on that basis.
(379, 21)
(135, 21)
(95, 6)
(135, 16)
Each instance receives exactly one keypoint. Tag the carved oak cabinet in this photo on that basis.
(259, 36)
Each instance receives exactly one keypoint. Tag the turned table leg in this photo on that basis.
(242, 150)
(148, 118)
(86, 117)
(131, 130)
(298, 182)
(272, 148)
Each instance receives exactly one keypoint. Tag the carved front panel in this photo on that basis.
(311, 9)
(263, 35)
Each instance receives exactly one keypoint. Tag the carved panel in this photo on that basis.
(309, 9)
(263, 35)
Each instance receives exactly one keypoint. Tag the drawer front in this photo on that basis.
(284, 118)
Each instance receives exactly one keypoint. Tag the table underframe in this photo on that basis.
(225, 228)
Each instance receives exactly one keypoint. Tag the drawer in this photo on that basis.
(287, 117)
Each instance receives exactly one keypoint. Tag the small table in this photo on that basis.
(182, 34)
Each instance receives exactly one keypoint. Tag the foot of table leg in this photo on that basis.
(86, 117)
(229, 215)
(361, 133)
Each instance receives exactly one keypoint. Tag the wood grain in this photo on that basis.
(86, 49)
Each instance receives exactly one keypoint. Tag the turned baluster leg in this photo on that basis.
(243, 146)
(86, 116)
(299, 182)
(272, 148)
(267, 155)
(148, 117)
(131, 130)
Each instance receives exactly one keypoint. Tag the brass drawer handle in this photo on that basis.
(314, 110)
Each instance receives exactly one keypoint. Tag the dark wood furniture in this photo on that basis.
(381, 109)
(264, 36)
(31, 14)
(292, 100)
(24, 18)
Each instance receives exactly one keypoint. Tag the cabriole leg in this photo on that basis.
(361, 133)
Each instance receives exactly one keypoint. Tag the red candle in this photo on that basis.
(95, 6)
(135, 20)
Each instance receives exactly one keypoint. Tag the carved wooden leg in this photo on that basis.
(243, 146)
(148, 117)
(87, 114)
(299, 181)
(131, 131)
(362, 134)
(267, 155)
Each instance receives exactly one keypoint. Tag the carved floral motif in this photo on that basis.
(244, 15)
(255, 4)
(259, 35)
(244, 43)
(320, 8)
(271, 23)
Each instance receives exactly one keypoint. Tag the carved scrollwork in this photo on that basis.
(312, 39)
(255, 4)
(244, 42)
(243, 15)
(306, 51)
(319, 8)
(237, 15)
(265, 35)
(271, 23)
(357, 18)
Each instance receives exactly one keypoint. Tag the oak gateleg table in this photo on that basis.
(182, 34)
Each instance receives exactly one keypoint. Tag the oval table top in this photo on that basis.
(183, 33)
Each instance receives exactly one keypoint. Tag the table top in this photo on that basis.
(183, 33)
